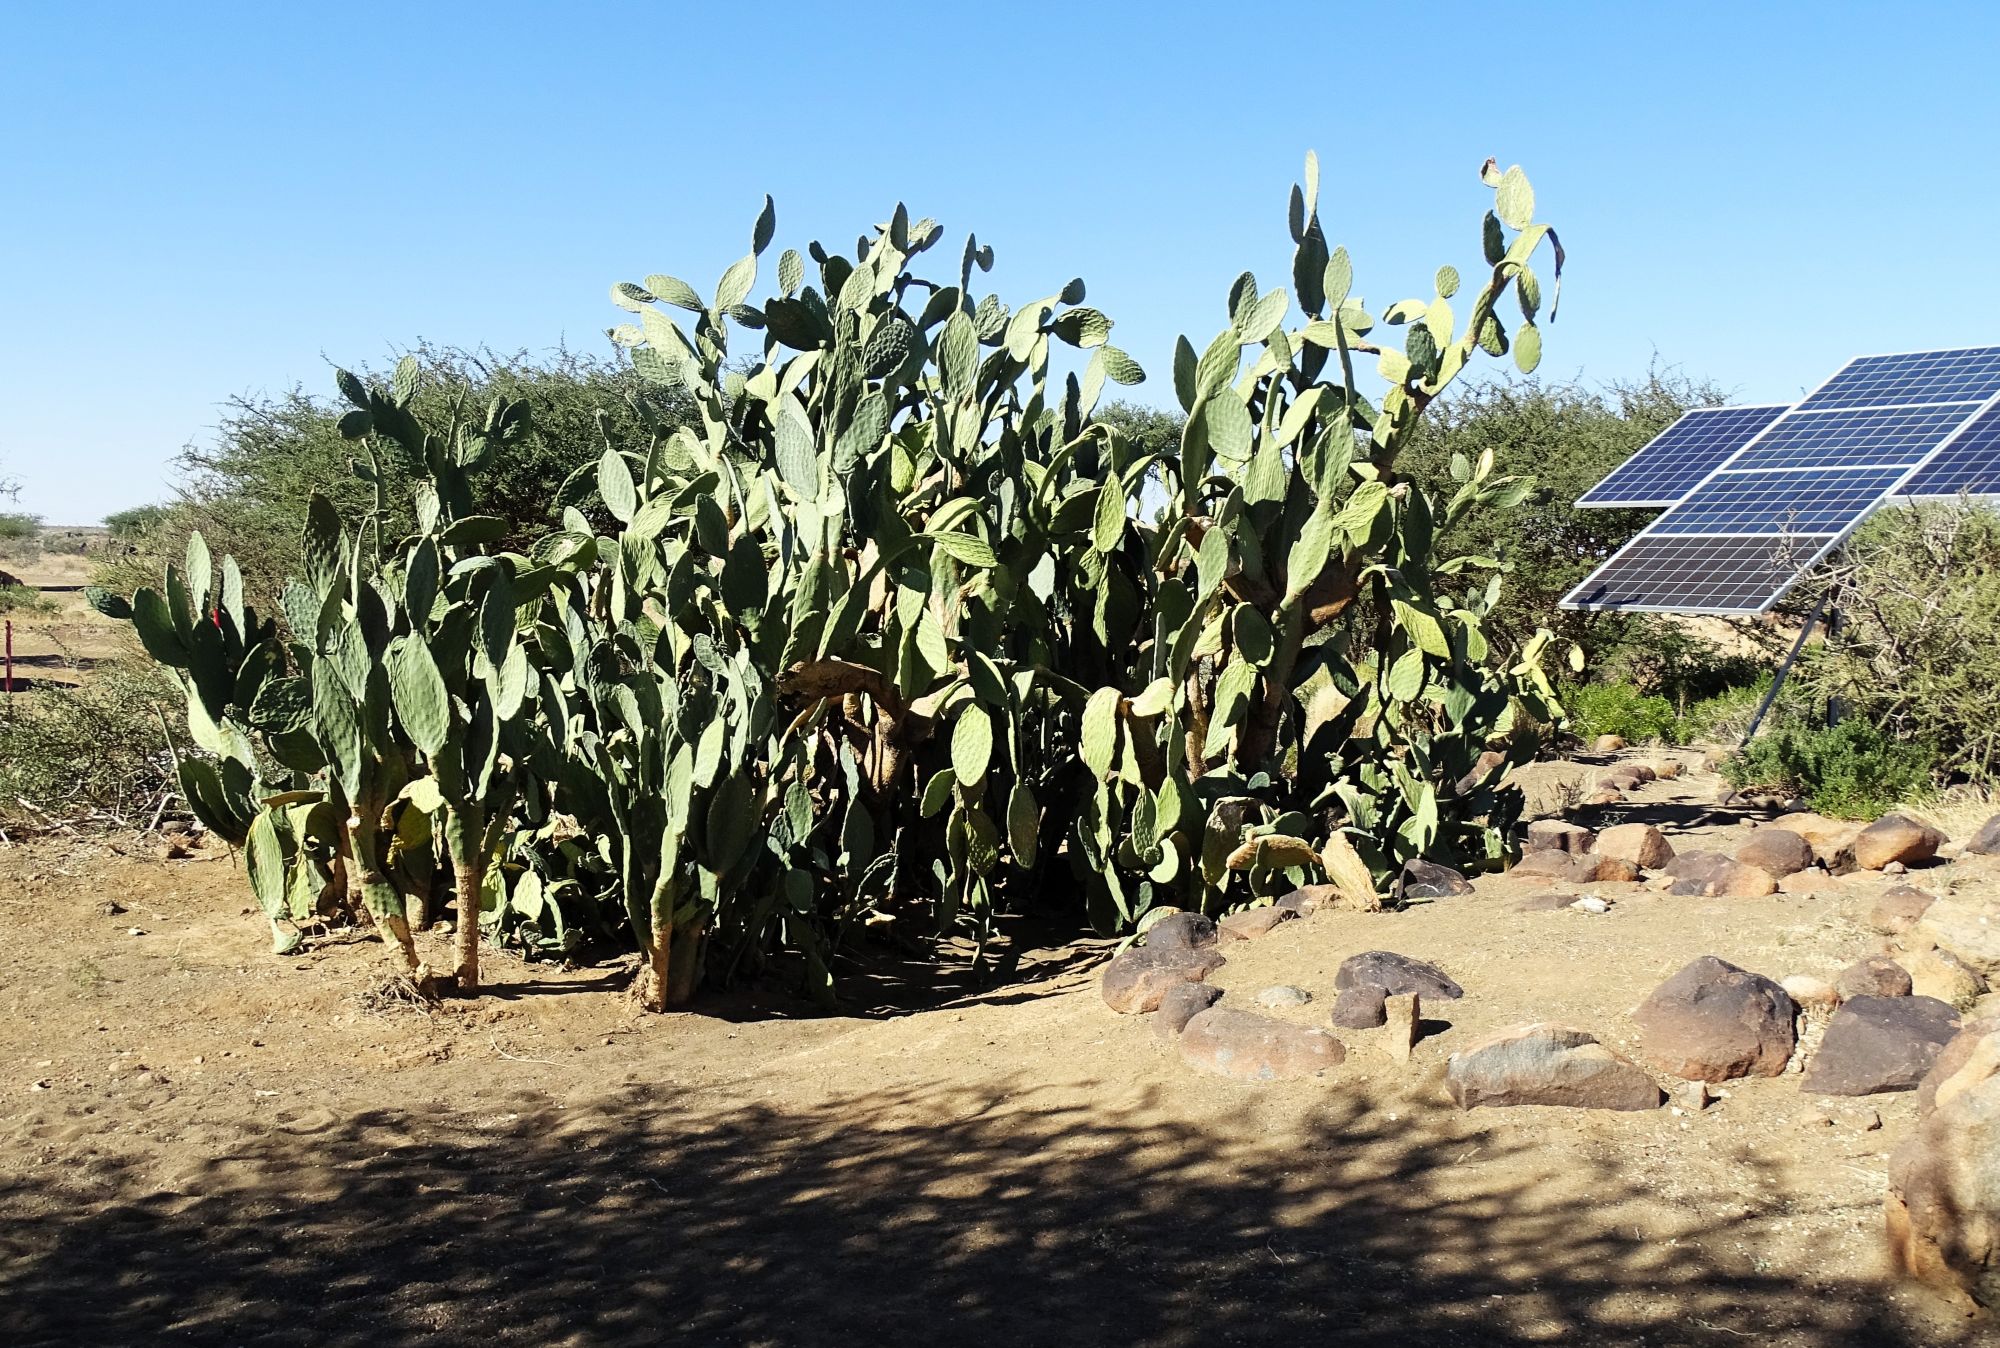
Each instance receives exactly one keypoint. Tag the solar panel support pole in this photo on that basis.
(1786, 668)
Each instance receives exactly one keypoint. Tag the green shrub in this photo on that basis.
(21, 601)
(1849, 771)
(1725, 717)
(1619, 709)
(1918, 595)
(92, 751)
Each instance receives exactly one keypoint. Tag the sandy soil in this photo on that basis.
(203, 1143)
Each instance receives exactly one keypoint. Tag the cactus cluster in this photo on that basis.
(892, 621)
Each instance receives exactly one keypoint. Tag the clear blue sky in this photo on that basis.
(199, 200)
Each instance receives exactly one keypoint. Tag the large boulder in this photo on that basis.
(1893, 838)
(1939, 973)
(1547, 1064)
(1181, 1004)
(1986, 842)
(1366, 980)
(1972, 1055)
(1557, 835)
(1428, 880)
(1897, 910)
(1711, 875)
(1968, 928)
(1136, 980)
(1588, 868)
(1876, 976)
(1777, 852)
(1395, 974)
(1943, 1207)
(1829, 837)
(1245, 1046)
(1641, 844)
(1249, 923)
(1713, 1021)
(1876, 1044)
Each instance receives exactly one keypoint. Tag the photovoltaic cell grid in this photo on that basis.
(1909, 425)
(1969, 375)
(1678, 458)
(1795, 501)
(1880, 436)
(1970, 464)
(1679, 574)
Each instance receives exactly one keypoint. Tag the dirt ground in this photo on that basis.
(203, 1143)
(59, 647)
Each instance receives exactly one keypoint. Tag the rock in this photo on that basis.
(1360, 1008)
(1897, 910)
(1968, 928)
(1589, 868)
(1693, 1096)
(1711, 874)
(1943, 1207)
(1307, 899)
(1895, 868)
(1808, 882)
(1250, 923)
(1641, 844)
(1395, 974)
(1180, 931)
(1829, 837)
(1776, 851)
(1876, 976)
(1137, 979)
(1557, 835)
(1180, 1004)
(1894, 837)
(1282, 996)
(1713, 1021)
(1245, 1046)
(111, 908)
(1482, 767)
(1551, 902)
(1428, 880)
(173, 849)
(1986, 842)
(1972, 1056)
(1547, 1064)
(1815, 994)
(1590, 903)
(1939, 973)
(1403, 1019)
(1607, 744)
(1876, 1044)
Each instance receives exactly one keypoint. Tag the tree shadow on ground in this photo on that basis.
(941, 1215)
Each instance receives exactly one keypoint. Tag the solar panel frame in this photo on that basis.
(1680, 449)
(1977, 412)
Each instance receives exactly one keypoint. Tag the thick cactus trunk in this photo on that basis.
(465, 838)
(368, 889)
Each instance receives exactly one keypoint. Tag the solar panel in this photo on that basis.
(1670, 465)
(1922, 424)
(1970, 464)
(1697, 575)
(1789, 501)
(1853, 437)
(1970, 374)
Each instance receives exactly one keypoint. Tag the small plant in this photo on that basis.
(25, 601)
(1619, 709)
(1848, 771)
